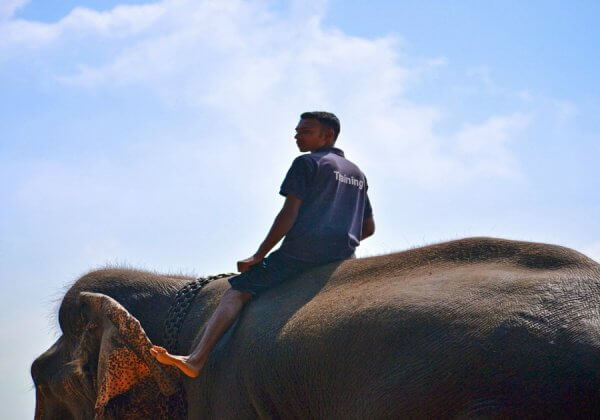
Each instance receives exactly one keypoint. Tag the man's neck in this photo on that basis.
(329, 146)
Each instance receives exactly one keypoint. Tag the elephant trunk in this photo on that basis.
(39, 405)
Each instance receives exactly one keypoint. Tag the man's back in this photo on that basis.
(334, 204)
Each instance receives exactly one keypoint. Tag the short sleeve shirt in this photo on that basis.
(334, 198)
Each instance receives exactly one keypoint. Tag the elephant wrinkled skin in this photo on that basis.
(478, 327)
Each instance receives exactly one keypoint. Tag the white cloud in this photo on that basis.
(241, 60)
(483, 75)
(485, 146)
(565, 111)
(9, 7)
(122, 21)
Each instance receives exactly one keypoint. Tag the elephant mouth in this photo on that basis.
(48, 407)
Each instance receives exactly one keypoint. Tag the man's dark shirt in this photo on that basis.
(334, 198)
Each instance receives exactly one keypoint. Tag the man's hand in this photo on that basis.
(281, 226)
(244, 265)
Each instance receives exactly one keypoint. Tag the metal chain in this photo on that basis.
(180, 308)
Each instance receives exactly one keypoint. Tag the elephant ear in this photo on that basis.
(124, 359)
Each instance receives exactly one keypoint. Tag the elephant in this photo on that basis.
(470, 328)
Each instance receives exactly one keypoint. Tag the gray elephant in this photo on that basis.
(477, 327)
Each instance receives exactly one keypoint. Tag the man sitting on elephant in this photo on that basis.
(325, 215)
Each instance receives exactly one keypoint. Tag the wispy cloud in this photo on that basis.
(242, 60)
(243, 72)
(486, 146)
(120, 22)
(9, 7)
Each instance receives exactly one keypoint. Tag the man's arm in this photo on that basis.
(281, 226)
(368, 228)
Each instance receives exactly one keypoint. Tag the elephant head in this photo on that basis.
(101, 368)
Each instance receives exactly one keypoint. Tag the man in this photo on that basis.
(325, 215)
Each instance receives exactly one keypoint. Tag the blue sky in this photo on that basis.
(156, 134)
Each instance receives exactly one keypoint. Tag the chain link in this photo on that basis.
(180, 308)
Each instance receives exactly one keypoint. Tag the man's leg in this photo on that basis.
(227, 311)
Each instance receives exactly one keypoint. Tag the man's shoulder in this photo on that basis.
(303, 157)
(305, 160)
(303, 166)
(343, 163)
(331, 157)
(327, 154)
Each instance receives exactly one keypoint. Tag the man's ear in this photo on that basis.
(329, 133)
(124, 358)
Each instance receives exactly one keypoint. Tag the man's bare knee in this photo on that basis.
(237, 296)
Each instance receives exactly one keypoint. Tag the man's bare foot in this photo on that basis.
(180, 362)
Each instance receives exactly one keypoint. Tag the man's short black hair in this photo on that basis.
(328, 119)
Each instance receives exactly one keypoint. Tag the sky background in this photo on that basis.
(156, 134)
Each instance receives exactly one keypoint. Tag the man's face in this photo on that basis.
(311, 135)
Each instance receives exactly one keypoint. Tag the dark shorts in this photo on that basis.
(271, 271)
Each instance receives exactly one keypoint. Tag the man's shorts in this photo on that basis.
(271, 271)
